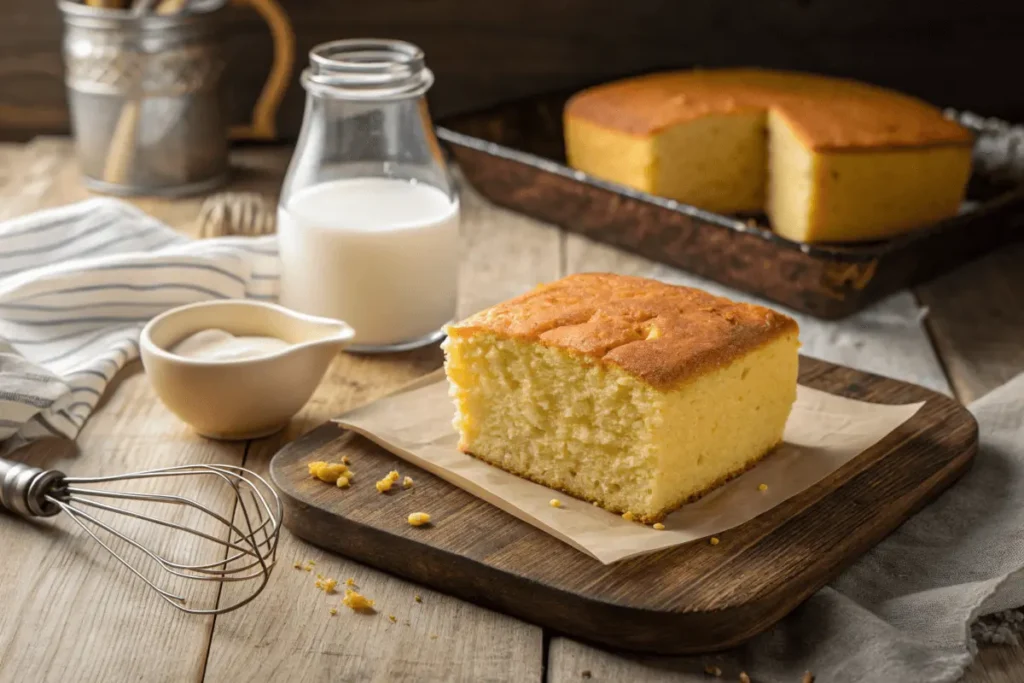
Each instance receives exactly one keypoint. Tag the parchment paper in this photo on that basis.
(823, 433)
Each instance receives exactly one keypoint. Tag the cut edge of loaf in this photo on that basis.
(622, 446)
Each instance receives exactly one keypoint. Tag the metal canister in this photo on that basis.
(146, 110)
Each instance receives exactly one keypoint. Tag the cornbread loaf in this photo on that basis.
(828, 160)
(623, 391)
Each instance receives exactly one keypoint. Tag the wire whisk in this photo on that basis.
(240, 541)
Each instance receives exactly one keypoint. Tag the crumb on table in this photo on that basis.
(345, 460)
(419, 518)
(714, 540)
(407, 483)
(628, 516)
(357, 602)
(333, 611)
(659, 526)
(417, 598)
(326, 585)
(762, 487)
(392, 619)
(555, 503)
(350, 581)
(343, 482)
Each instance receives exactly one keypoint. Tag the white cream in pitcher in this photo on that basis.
(379, 253)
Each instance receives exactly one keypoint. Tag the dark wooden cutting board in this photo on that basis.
(688, 599)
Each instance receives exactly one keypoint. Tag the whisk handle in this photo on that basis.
(23, 489)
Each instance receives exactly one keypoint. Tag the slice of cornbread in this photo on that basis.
(623, 391)
(828, 159)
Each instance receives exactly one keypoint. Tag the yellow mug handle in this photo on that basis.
(264, 115)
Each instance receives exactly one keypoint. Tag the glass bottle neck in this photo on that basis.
(366, 138)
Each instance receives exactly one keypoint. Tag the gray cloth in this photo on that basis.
(903, 611)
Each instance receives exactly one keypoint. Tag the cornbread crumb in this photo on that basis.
(326, 585)
(297, 565)
(417, 598)
(393, 476)
(712, 670)
(744, 678)
(345, 460)
(659, 526)
(555, 503)
(407, 483)
(384, 485)
(356, 602)
(311, 563)
(392, 619)
(350, 582)
(628, 516)
(419, 518)
(808, 677)
(327, 471)
(342, 483)
(762, 487)
(333, 611)
(714, 540)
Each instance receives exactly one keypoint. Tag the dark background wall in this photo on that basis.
(968, 54)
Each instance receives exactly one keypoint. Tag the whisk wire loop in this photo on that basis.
(247, 549)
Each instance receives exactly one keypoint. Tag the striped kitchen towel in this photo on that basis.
(78, 283)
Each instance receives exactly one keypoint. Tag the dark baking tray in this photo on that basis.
(513, 154)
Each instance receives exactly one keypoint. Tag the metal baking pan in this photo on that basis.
(514, 155)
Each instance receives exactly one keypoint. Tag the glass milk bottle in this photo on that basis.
(368, 223)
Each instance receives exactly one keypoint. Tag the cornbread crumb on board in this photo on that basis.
(385, 484)
(628, 516)
(327, 472)
(555, 503)
(342, 483)
(357, 602)
(419, 518)
(417, 598)
(659, 526)
(407, 483)
(333, 611)
(714, 540)
(762, 487)
(350, 581)
(392, 619)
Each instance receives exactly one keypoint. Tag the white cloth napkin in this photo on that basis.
(78, 283)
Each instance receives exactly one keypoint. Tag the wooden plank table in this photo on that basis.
(73, 614)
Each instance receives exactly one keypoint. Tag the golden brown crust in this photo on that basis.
(643, 519)
(825, 113)
(663, 334)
